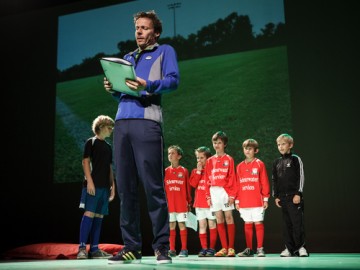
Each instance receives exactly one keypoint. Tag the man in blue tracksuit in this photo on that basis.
(138, 140)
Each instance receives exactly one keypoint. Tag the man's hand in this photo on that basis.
(139, 84)
(108, 86)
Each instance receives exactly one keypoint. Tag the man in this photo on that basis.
(138, 140)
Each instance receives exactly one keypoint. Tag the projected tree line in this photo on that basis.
(229, 35)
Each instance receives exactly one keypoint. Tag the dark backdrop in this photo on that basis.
(323, 63)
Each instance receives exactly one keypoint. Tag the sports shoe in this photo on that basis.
(246, 253)
(260, 252)
(303, 252)
(162, 255)
(221, 253)
(202, 252)
(285, 253)
(82, 254)
(231, 252)
(99, 254)
(210, 252)
(126, 256)
(172, 253)
(184, 253)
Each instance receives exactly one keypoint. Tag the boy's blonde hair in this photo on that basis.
(251, 143)
(102, 121)
(286, 137)
(177, 149)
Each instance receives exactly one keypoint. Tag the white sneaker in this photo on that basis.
(260, 252)
(303, 252)
(285, 253)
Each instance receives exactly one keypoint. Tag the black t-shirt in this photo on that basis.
(100, 153)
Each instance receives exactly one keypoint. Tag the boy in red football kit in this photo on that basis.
(252, 197)
(221, 191)
(204, 216)
(178, 193)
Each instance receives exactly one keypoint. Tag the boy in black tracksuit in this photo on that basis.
(288, 184)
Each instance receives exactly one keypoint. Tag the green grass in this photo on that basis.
(67, 167)
(244, 94)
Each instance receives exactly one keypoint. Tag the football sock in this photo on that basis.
(260, 231)
(95, 234)
(172, 239)
(213, 237)
(203, 240)
(85, 227)
(183, 237)
(248, 234)
(222, 235)
(231, 234)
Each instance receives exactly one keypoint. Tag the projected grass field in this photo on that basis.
(245, 94)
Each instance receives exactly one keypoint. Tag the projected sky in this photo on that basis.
(84, 34)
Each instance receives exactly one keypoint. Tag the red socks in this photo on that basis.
(172, 239)
(222, 235)
(231, 234)
(248, 234)
(203, 240)
(183, 237)
(213, 237)
(260, 231)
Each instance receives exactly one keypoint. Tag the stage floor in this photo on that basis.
(327, 261)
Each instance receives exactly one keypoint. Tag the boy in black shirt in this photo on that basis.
(100, 187)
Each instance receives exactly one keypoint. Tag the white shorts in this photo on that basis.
(253, 214)
(179, 217)
(219, 200)
(203, 213)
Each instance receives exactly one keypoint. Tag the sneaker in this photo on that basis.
(260, 252)
(221, 253)
(202, 252)
(285, 253)
(99, 254)
(246, 253)
(210, 252)
(82, 254)
(303, 252)
(183, 253)
(126, 256)
(162, 255)
(172, 253)
(231, 252)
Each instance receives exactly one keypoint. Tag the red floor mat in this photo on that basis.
(52, 251)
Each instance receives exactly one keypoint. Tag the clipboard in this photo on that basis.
(117, 70)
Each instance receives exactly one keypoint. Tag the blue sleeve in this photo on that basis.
(170, 73)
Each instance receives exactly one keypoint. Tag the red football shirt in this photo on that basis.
(197, 181)
(178, 189)
(253, 183)
(220, 171)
